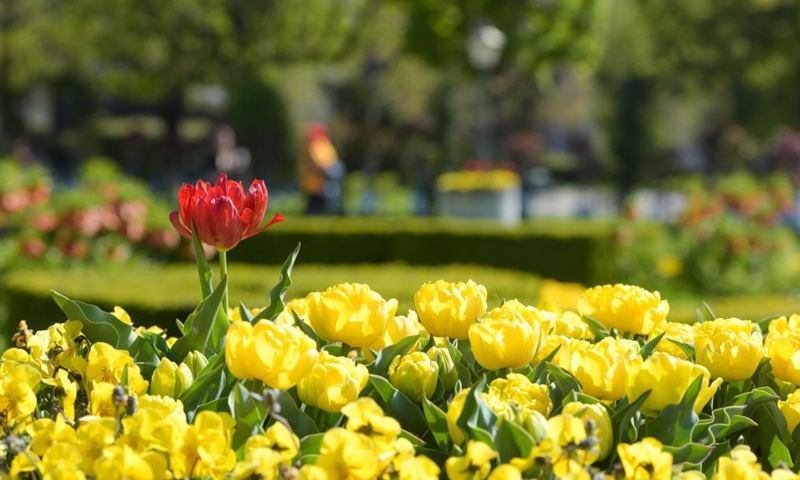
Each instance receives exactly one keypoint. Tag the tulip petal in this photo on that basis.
(182, 229)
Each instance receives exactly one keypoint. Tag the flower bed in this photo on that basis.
(338, 386)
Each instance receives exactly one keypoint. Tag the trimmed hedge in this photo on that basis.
(574, 251)
(157, 295)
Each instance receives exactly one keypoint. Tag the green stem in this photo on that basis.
(223, 270)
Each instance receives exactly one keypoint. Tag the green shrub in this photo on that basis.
(157, 295)
(564, 250)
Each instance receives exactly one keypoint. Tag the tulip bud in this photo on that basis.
(415, 375)
(534, 423)
(448, 374)
(196, 362)
(170, 380)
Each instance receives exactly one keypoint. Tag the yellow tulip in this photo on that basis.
(448, 374)
(741, 465)
(454, 409)
(474, 465)
(570, 324)
(502, 340)
(350, 313)
(668, 378)
(415, 375)
(521, 395)
(448, 309)
(783, 349)
(601, 427)
(275, 354)
(333, 382)
(169, 379)
(626, 308)
(790, 408)
(603, 368)
(645, 460)
(681, 332)
(196, 362)
(729, 348)
(348, 455)
(296, 305)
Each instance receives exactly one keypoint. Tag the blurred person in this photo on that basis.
(229, 158)
(320, 171)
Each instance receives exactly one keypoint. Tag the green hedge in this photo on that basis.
(572, 251)
(157, 295)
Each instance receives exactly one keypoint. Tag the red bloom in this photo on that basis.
(222, 214)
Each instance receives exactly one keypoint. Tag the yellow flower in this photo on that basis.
(122, 315)
(277, 355)
(505, 472)
(350, 313)
(781, 326)
(206, 449)
(741, 465)
(93, 437)
(296, 305)
(333, 382)
(196, 362)
(235, 314)
(668, 378)
(556, 295)
(783, 474)
(415, 375)
(626, 308)
(645, 460)
(418, 468)
(448, 309)
(45, 433)
(790, 408)
(521, 394)
(346, 455)
(600, 423)
(107, 364)
(669, 266)
(280, 439)
(454, 409)
(59, 460)
(365, 416)
(397, 328)
(122, 463)
(158, 424)
(569, 451)
(503, 339)
(169, 379)
(258, 463)
(566, 347)
(681, 332)
(474, 465)
(18, 388)
(603, 368)
(571, 325)
(101, 400)
(728, 348)
(783, 349)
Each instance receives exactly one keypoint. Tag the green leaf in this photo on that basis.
(708, 313)
(650, 346)
(622, 419)
(204, 271)
(244, 312)
(205, 320)
(437, 422)
(463, 368)
(385, 356)
(249, 413)
(674, 425)
(211, 384)
(512, 441)
(309, 445)
(693, 454)
(278, 292)
(98, 326)
(476, 418)
(306, 328)
(565, 384)
(399, 406)
(687, 348)
(771, 436)
(302, 425)
(752, 399)
(599, 330)
(539, 374)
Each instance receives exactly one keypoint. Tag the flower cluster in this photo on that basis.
(337, 386)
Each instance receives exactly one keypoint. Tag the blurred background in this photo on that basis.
(535, 145)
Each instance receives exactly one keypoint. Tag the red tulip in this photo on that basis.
(222, 214)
